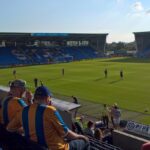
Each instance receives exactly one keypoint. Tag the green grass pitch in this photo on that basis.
(85, 79)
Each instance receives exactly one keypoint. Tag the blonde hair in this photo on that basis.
(98, 134)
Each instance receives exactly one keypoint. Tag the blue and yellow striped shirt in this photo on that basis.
(42, 124)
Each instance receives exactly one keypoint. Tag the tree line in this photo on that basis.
(120, 46)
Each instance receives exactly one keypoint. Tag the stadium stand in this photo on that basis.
(142, 44)
(7, 58)
(144, 54)
(34, 55)
(97, 145)
(63, 107)
(44, 48)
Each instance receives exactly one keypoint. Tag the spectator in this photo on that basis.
(9, 83)
(90, 129)
(43, 124)
(98, 134)
(116, 116)
(13, 103)
(78, 128)
(14, 141)
(28, 97)
(112, 115)
(105, 117)
(80, 120)
(107, 136)
(10, 107)
(75, 100)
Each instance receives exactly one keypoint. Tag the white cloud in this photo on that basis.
(137, 6)
(138, 10)
(147, 12)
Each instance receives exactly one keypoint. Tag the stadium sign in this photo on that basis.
(137, 128)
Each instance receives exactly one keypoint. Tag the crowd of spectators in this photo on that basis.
(31, 122)
(38, 121)
(37, 55)
(41, 55)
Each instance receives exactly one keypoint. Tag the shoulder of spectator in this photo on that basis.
(50, 107)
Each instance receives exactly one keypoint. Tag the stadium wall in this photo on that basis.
(127, 141)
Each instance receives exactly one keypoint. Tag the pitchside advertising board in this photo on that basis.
(137, 128)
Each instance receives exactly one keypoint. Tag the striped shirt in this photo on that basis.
(42, 124)
(10, 107)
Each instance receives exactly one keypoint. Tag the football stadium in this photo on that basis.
(86, 86)
(74, 75)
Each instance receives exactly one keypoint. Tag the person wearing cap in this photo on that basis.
(10, 107)
(25, 94)
(13, 103)
(43, 124)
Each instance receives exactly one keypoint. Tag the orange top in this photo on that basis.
(10, 107)
(42, 124)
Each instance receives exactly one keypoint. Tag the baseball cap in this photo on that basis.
(42, 91)
(18, 83)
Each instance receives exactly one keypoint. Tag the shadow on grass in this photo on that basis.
(113, 82)
(128, 60)
(98, 79)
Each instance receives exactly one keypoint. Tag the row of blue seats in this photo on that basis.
(144, 54)
(36, 55)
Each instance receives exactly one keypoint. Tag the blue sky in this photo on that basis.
(119, 18)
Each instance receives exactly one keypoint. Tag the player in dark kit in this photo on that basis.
(63, 71)
(14, 73)
(105, 72)
(121, 74)
(35, 82)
